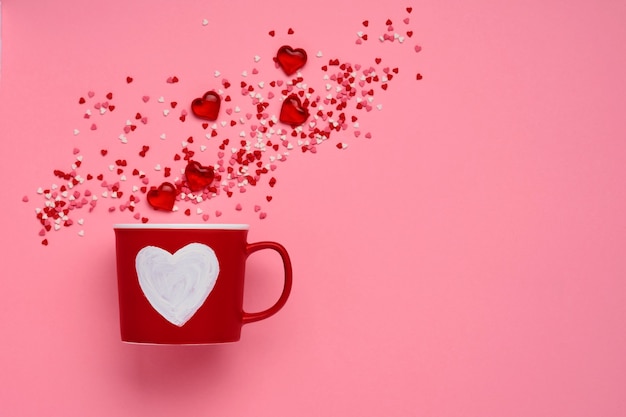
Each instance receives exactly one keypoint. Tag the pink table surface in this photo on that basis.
(469, 259)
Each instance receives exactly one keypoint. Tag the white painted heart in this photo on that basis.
(176, 285)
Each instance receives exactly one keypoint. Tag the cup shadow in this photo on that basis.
(176, 370)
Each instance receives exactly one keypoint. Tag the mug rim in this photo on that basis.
(188, 226)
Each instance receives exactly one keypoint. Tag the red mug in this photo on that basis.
(183, 284)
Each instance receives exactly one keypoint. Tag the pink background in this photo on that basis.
(468, 260)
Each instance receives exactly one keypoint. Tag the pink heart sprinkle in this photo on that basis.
(76, 150)
(418, 48)
(218, 213)
(205, 217)
(91, 94)
(145, 99)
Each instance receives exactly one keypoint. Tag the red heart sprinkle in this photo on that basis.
(162, 198)
(129, 80)
(207, 107)
(418, 76)
(366, 23)
(290, 31)
(272, 33)
(198, 176)
(292, 112)
(291, 60)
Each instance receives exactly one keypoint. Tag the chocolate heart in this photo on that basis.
(207, 107)
(292, 112)
(198, 176)
(162, 198)
(291, 60)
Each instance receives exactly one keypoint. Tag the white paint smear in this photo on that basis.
(176, 285)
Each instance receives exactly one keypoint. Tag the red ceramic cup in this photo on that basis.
(183, 284)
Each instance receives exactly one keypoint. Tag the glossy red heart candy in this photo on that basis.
(291, 60)
(162, 198)
(292, 112)
(207, 107)
(198, 176)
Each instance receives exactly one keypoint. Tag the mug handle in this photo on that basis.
(250, 249)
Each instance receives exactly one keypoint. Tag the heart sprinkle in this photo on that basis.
(264, 120)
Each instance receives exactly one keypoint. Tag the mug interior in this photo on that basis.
(195, 226)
